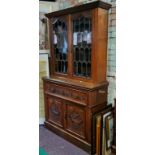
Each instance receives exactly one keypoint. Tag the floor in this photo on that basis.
(55, 145)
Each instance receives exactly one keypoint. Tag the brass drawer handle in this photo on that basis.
(102, 91)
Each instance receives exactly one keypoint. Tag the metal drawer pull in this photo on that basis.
(102, 91)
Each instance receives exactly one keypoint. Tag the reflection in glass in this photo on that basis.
(61, 45)
(81, 54)
(84, 69)
(86, 54)
(79, 68)
(77, 54)
(82, 46)
(88, 69)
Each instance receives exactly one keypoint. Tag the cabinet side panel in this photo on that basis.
(100, 44)
(88, 124)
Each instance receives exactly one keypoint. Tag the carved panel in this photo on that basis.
(75, 120)
(55, 110)
(66, 92)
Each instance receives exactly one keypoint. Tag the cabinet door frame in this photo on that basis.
(47, 108)
(53, 71)
(70, 72)
(88, 14)
(83, 108)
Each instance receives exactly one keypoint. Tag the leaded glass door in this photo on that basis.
(60, 44)
(82, 44)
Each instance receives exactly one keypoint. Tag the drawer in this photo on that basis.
(101, 95)
(98, 96)
(66, 93)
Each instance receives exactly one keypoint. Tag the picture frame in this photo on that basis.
(109, 127)
(104, 149)
(43, 71)
(43, 32)
(107, 109)
(44, 63)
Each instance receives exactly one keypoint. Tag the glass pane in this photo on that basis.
(60, 45)
(82, 27)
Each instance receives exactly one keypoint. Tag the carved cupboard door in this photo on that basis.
(75, 120)
(55, 110)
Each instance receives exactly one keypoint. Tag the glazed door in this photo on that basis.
(54, 110)
(82, 44)
(75, 119)
(59, 45)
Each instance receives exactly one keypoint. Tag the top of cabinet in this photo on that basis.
(83, 7)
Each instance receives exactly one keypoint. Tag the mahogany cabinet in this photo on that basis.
(77, 86)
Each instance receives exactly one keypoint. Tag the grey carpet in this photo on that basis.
(55, 145)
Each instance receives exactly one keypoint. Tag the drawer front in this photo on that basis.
(75, 120)
(101, 95)
(55, 110)
(66, 92)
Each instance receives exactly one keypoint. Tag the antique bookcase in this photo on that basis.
(77, 86)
